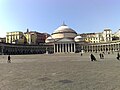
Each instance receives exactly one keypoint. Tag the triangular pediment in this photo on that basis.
(65, 40)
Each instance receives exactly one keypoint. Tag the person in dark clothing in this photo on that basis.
(9, 59)
(118, 56)
(100, 55)
(81, 54)
(93, 57)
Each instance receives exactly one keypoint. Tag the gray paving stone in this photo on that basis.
(60, 72)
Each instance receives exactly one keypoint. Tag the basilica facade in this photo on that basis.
(63, 40)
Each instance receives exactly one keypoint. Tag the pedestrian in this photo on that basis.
(9, 59)
(100, 56)
(92, 57)
(118, 56)
(81, 54)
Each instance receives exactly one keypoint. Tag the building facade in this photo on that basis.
(29, 37)
(63, 39)
(92, 37)
(16, 37)
(34, 38)
(3, 40)
(107, 35)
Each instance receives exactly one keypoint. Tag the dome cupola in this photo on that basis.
(78, 39)
(64, 32)
(49, 40)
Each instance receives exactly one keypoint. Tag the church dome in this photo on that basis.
(64, 32)
(78, 39)
(49, 40)
(63, 28)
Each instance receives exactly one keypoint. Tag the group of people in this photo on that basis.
(101, 56)
(93, 58)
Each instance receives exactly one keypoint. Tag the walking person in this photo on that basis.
(81, 54)
(100, 56)
(118, 56)
(92, 57)
(9, 59)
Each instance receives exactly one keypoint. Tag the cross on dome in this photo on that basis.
(63, 24)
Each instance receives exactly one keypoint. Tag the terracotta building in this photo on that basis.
(33, 37)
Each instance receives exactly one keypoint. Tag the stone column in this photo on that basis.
(92, 47)
(54, 48)
(68, 48)
(102, 47)
(74, 48)
(105, 48)
(60, 47)
(71, 48)
(99, 48)
(65, 47)
(110, 47)
(96, 48)
(57, 47)
(113, 47)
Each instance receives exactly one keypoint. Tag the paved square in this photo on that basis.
(59, 72)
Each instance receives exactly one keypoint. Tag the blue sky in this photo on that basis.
(83, 16)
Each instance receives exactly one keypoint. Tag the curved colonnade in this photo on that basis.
(7, 49)
(13, 49)
(99, 47)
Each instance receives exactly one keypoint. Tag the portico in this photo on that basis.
(64, 46)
